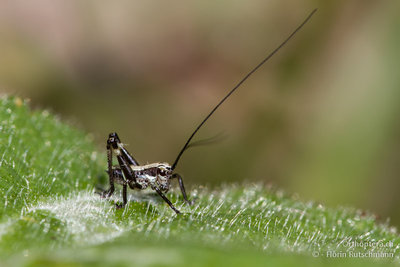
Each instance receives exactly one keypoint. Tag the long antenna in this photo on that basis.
(239, 84)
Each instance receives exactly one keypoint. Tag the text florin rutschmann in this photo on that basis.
(358, 254)
(372, 249)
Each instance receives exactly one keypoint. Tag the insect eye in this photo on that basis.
(162, 172)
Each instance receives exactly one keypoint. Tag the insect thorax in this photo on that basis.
(155, 174)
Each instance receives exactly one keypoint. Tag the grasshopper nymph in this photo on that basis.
(158, 176)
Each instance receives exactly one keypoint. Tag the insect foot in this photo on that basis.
(106, 193)
(119, 206)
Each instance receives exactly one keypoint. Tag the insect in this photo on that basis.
(158, 176)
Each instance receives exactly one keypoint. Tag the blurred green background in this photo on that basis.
(320, 120)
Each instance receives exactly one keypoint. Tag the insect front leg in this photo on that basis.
(108, 193)
(165, 199)
(182, 187)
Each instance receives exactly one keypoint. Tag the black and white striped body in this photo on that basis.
(155, 174)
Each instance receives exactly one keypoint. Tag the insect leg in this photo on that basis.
(114, 142)
(124, 197)
(180, 180)
(165, 198)
(110, 191)
(124, 173)
(128, 175)
(128, 157)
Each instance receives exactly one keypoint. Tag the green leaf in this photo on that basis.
(51, 215)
